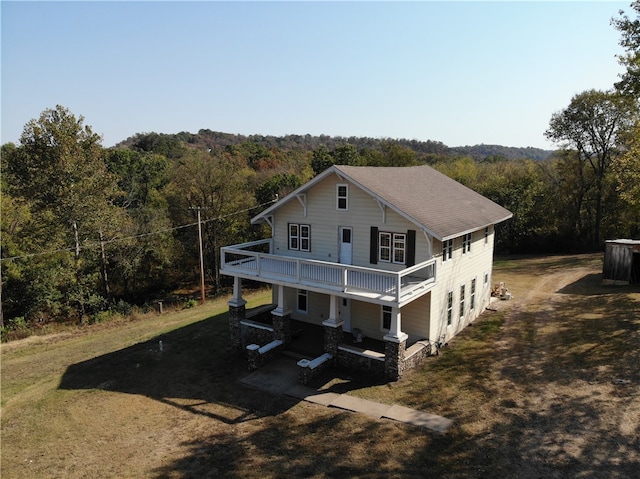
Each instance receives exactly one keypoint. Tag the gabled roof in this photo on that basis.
(431, 200)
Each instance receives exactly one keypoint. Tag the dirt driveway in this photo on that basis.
(568, 366)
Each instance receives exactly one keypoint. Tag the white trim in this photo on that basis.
(449, 308)
(302, 198)
(473, 293)
(383, 208)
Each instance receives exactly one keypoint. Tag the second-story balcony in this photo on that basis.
(254, 260)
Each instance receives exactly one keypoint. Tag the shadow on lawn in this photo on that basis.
(588, 338)
(591, 285)
(192, 368)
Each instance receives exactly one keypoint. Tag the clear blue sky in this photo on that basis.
(458, 72)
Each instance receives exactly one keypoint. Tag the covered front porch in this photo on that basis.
(274, 327)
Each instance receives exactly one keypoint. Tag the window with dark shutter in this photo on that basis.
(373, 246)
(411, 248)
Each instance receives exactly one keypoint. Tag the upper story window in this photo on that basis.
(299, 237)
(342, 196)
(466, 243)
(392, 247)
(447, 250)
(486, 235)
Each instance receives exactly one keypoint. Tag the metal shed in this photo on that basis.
(621, 262)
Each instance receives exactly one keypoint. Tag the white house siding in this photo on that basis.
(416, 317)
(318, 306)
(461, 269)
(368, 318)
(364, 212)
(324, 219)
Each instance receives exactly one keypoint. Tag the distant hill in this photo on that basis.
(496, 152)
(425, 150)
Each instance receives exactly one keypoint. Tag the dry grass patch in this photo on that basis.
(530, 387)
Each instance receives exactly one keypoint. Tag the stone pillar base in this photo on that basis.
(281, 326)
(332, 337)
(236, 314)
(394, 357)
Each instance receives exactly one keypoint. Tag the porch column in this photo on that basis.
(333, 327)
(395, 333)
(236, 313)
(281, 318)
(395, 346)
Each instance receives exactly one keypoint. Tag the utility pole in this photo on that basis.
(202, 295)
(103, 257)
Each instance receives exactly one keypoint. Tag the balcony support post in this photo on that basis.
(236, 313)
(281, 318)
(333, 327)
(395, 347)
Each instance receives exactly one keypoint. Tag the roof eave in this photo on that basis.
(260, 217)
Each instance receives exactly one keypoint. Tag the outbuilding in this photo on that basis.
(621, 262)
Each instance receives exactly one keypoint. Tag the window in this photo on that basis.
(472, 299)
(486, 235)
(303, 301)
(486, 279)
(299, 237)
(386, 317)
(399, 248)
(447, 250)
(449, 307)
(342, 196)
(462, 301)
(466, 243)
(392, 247)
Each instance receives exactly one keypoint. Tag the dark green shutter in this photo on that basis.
(373, 246)
(411, 248)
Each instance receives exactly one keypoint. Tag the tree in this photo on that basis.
(593, 125)
(629, 83)
(396, 154)
(627, 172)
(321, 160)
(217, 184)
(60, 170)
(140, 264)
(278, 186)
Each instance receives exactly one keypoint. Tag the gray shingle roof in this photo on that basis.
(441, 205)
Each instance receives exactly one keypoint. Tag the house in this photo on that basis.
(380, 264)
(621, 262)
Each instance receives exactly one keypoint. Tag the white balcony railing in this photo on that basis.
(255, 260)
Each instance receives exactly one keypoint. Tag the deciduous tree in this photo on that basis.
(593, 125)
(629, 29)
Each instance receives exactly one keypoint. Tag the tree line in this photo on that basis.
(89, 231)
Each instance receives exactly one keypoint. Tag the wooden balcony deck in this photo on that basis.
(249, 260)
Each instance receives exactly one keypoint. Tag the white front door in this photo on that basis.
(345, 313)
(346, 244)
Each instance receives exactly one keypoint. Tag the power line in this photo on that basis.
(141, 235)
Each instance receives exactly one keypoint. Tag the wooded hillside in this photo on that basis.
(88, 230)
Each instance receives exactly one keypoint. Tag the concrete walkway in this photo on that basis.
(281, 377)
